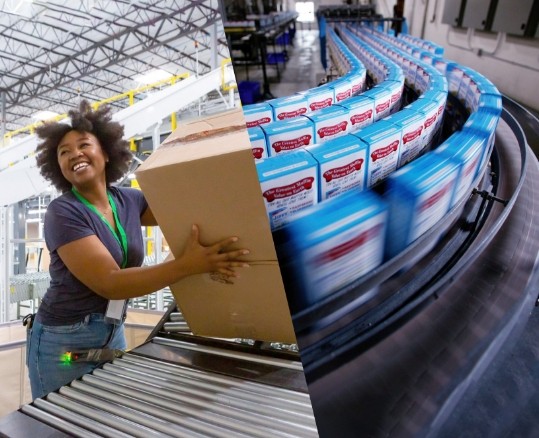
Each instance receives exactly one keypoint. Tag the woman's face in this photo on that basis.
(81, 159)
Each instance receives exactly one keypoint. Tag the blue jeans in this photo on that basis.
(46, 346)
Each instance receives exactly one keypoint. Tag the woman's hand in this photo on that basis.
(199, 259)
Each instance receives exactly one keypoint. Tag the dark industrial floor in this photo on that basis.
(504, 401)
(302, 71)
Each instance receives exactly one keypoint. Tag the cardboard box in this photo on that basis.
(204, 173)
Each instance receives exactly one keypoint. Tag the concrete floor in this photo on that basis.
(303, 69)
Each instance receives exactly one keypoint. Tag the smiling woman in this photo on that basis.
(93, 233)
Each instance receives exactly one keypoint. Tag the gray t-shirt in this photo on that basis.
(68, 301)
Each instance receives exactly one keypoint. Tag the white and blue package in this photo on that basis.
(342, 88)
(319, 97)
(358, 78)
(419, 195)
(411, 124)
(330, 123)
(483, 123)
(289, 107)
(289, 184)
(491, 103)
(342, 165)
(337, 241)
(258, 142)
(258, 114)
(382, 100)
(360, 112)
(454, 75)
(429, 109)
(396, 94)
(440, 98)
(384, 141)
(288, 135)
(468, 149)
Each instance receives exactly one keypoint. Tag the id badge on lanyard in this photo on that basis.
(115, 313)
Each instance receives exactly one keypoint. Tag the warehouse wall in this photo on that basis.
(512, 63)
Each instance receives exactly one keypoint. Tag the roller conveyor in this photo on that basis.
(178, 385)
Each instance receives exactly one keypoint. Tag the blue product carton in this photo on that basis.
(468, 150)
(360, 112)
(483, 123)
(342, 88)
(440, 64)
(396, 94)
(289, 107)
(384, 141)
(330, 123)
(419, 195)
(258, 142)
(382, 100)
(471, 101)
(454, 73)
(410, 67)
(429, 109)
(288, 135)
(258, 114)
(341, 165)
(411, 124)
(422, 80)
(490, 103)
(358, 79)
(440, 98)
(464, 86)
(289, 184)
(319, 97)
(337, 242)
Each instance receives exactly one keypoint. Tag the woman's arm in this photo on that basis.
(90, 262)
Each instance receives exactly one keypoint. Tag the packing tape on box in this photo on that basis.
(203, 135)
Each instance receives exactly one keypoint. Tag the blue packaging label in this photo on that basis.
(257, 114)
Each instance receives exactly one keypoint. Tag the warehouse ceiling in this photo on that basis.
(55, 52)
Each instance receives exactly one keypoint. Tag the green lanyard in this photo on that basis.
(122, 239)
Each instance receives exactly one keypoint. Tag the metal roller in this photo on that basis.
(135, 412)
(58, 423)
(208, 386)
(255, 387)
(165, 396)
(176, 317)
(180, 326)
(212, 395)
(78, 414)
(168, 409)
(283, 363)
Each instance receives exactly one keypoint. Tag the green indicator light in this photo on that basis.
(66, 357)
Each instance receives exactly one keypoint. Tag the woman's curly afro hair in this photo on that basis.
(85, 119)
